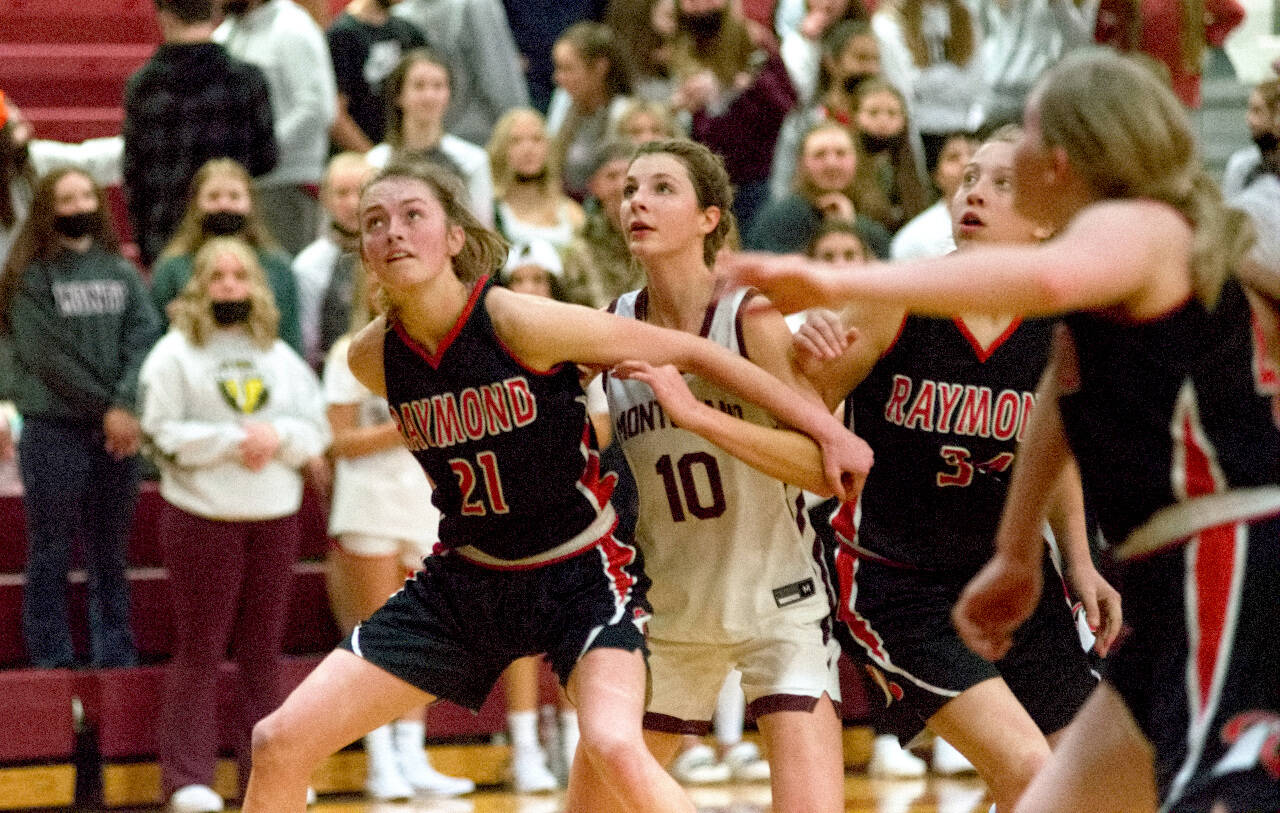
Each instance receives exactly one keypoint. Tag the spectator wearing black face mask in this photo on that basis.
(189, 103)
(233, 416)
(223, 203)
(80, 323)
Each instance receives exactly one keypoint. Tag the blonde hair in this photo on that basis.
(343, 161)
(1126, 136)
(957, 48)
(190, 236)
(483, 251)
(500, 145)
(644, 107)
(192, 313)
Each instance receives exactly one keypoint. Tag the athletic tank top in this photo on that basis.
(728, 548)
(1171, 408)
(510, 450)
(944, 418)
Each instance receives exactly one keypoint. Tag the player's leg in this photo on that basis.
(608, 687)
(990, 727)
(805, 758)
(1103, 764)
(341, 700)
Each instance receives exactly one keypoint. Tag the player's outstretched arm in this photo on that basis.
(544, 333)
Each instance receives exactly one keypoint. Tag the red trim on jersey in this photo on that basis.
(984, 353)
(901, 327)
(618, 556)
(1266, 373)
(846, 567)
(600, 487)
(434, 358)
(1215, 565)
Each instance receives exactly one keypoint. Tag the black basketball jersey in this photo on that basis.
(944, 417)
(510, 450)
(1170, 408)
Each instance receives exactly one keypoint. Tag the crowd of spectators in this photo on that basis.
(246, 138)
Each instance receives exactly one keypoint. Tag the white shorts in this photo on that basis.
(788, 669)
(411, 553)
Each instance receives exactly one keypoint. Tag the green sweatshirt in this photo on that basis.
(169, 276)
(81, 326)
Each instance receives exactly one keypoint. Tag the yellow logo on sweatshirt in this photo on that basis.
(243, 387)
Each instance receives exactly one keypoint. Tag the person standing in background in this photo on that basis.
(189, 103)
(474, 39)
(80, 322)
(284, 41)
(365, 43)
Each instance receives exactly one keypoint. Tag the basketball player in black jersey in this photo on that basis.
(481, 382)
(1162, 393)
(943, 402)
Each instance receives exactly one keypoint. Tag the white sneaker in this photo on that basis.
(947, 761)
(530, 774)
(383, 779)
(746, 764)
(699, 766)
(195, 799)
(416, 767)
(891, 760)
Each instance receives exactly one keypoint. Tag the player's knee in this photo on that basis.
(611, 748)
(1016, 777)
(275, 746)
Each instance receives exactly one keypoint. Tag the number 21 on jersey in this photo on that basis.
(488, 499)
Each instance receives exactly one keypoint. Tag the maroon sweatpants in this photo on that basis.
(229, 585)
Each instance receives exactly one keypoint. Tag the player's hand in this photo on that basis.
(846, 460)
(823, 336)
(996, 602)
(789, 281)
(668, 385)
(1101, 604)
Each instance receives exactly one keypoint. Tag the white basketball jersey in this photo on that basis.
(729, 549)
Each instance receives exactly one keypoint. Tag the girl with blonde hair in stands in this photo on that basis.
(530, 561)
(1162, 392)
(224, 204)
(232, 416)
(530, 203)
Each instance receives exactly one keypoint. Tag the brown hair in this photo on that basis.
(190, 236)
(711, 185)
(37, 240)
(958, 46)
(912, 194)
(1127, 137)
(484, 251)
(394, 85)
(191, 313)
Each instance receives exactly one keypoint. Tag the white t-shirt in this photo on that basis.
(381, 494)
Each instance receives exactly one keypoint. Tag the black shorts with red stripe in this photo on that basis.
(456, 625)
(1199, 667)
(895, 622)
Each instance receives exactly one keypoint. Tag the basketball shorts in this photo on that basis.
(456, 625)
(895, 622)
(788, 669)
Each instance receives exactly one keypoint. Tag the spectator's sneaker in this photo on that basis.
(699, 766)
(383, 779)
(889, 760)
(416, 767)
(947, 761)
(746, 764)
(195, 799)
(530, 774)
